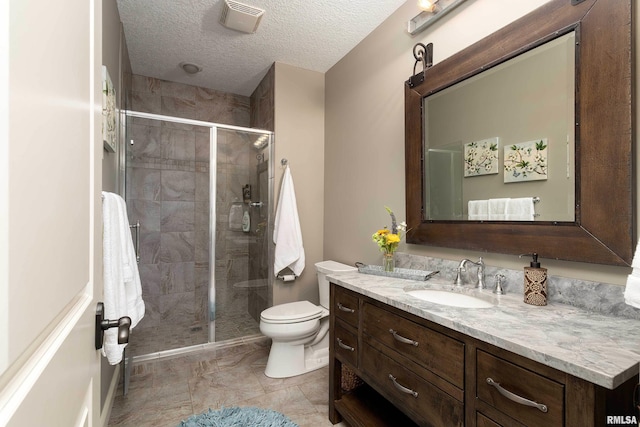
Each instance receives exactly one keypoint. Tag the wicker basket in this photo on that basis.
(350, 381)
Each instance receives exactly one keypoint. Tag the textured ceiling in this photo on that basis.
(310, 34)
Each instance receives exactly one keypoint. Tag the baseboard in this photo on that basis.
(111, 396)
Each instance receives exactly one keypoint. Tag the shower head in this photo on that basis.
(261, 142)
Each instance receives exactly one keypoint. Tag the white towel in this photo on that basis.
(636, 259)
(286, 233)
(497, 209)
(632, 290)
(478, 210)
(520, 209)
(122, 287)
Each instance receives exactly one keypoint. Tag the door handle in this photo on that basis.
(123, 324)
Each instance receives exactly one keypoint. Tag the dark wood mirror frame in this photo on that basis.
(604, 228)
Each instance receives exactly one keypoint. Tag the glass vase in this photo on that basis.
(388, 262)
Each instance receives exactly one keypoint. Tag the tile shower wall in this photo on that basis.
(168, 192)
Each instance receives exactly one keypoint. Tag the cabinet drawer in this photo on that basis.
(424, 402)
(442, 355)
(519, 384)
(482, 421)
(345, 305)
(345, 343)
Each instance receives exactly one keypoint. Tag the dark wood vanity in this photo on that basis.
(417, 372)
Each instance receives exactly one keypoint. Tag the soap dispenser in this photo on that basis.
(535, 282)
(246, 222)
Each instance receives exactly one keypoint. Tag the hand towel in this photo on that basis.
(520, 209)
(287, 234)
(121, 279)
(497, 209)
(636, 258)
(632, 290)
(478, 210)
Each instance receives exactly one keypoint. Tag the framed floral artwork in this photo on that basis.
(481, 157)
(108, 112)
(526, 161)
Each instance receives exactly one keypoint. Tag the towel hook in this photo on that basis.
(284, 162)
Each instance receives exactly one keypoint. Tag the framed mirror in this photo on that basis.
(583, 137)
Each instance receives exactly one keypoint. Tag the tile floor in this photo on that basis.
(163, 392)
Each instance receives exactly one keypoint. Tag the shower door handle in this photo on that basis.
(123, 324)
(136, 226)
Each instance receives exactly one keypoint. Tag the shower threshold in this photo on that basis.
(168, 354)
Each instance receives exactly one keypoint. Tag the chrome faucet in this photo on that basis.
(463, 267)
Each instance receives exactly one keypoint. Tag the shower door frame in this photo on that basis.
(213, 143)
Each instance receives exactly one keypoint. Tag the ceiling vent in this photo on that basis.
(240, 17)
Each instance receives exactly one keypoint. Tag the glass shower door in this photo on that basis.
(201, 193)
(243, 192)
(167, 189)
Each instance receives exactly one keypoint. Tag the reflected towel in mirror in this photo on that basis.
(478, 210)
(498, 209)
(520, 209)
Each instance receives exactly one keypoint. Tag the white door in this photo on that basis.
(50, 211)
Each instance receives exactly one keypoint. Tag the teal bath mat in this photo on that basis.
(238, 417)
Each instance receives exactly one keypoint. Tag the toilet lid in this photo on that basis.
(298, 311)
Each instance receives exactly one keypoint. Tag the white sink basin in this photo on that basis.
(453, 299)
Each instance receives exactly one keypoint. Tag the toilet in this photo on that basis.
(300, 330)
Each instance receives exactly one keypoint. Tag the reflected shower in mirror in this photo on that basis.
(505, 133)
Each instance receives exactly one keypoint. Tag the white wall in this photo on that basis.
(364, 141)
(299, 133)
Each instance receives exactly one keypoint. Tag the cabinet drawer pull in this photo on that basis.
(403, 339)
(401, 388)
(515, 398)
(346, 347)
(347, 309)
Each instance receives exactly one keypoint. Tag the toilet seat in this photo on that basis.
(292, 312)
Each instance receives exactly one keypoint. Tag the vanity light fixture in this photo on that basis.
(432, 10)
(427, 5)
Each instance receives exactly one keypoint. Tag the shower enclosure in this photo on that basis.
(202, 193)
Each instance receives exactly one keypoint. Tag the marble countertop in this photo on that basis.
(602, 349)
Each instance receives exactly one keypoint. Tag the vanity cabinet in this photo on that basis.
(521, 394)
(416, 368)
(417, 372)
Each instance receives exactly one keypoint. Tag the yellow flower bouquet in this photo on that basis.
(388, 240)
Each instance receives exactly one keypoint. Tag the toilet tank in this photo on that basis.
(328, 267)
